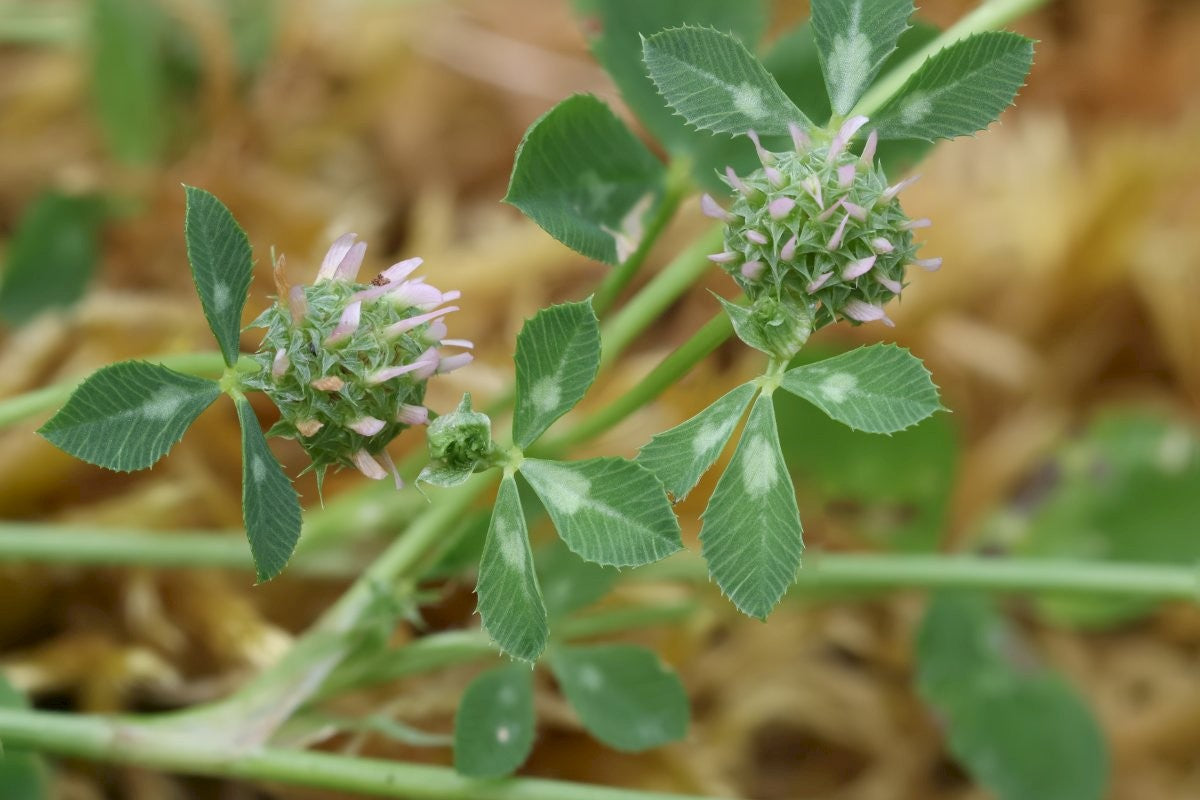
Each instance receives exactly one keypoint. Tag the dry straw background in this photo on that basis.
(1072, 280)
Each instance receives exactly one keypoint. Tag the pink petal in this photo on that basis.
(712, 209)
(881, 245)
(895, 287)
(368, 466)
(827, 213)
(280, 364)
(867, 159)
(800, 138)
(780, 207)
(401, 270)
(736, 182)
(889, 194)
(367, 426)
(333, 257)
(427, 364)
(756, 236)
(416, 294)
(451, 296)
(347, 325)
(774, 176)
(309, 427)
(863, 312)
(858, 267)
(384, 375)
(835, 241)
(914, 224)
(818, 282)
(451, 363)
(391, 466)
(789, 250)
(844, 135)
(436, 331)
(405, 325)
(466, 344)
(347, 270)
(723, 258)
(846, 175)
(927, 264)
(297, 304)
(413, 415)
(766, 158)
(855, 210)
(751, 270)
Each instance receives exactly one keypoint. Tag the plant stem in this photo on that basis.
(989, 15)
(831, 572)
(657, 295)
(16, 408)
(673, 367)
(676, 186)
(127, 742)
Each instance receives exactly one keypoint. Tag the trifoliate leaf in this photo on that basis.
(558, 353)
(127, 78)
(586, 179)
(751, 537)
(52, 255)
(679, 457)
(716, 84)
(880, 388)
(126, 416)
(624, 695)
(608, 510)
(270, 506)
(1020, 732)
(618, 47)
(568, 582)
(959, 90)
(219, 253)
(494, 726)
(854, 38)
(510, 601)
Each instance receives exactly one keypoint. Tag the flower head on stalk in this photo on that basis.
(347, 363)
(818, 227)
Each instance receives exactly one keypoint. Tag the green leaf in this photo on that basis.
(880, 388)
(679, 457)
(126, 416)
(494, 726)
(270, 506)
(558, 353)
(624, 695)
(568, 582)
(586, 179)
(959, 90)
(219, 253)
(609, 511)
(52, 255)
(751, 537)
(854, 38)
(1124, 491)
(23, 775)
(127, 84)
(510, 601)
(618, 47)
(1020, 733)
(714, 83)
(892, 491)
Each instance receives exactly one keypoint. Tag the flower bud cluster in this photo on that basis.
(347, 363)
(818, 227)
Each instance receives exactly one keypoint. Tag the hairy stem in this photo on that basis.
(989, 15)
(677, 187)
(127, 742)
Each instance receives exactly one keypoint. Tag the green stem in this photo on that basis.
(19, 407)
(128, 742)
(677, 185)
(830, 572)
(990, 15)
(671, 369)
(664, 289)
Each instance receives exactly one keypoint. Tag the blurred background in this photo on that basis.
(1063, 331)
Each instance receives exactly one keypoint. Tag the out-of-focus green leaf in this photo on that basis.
(1021, 732)
(127, 82)
(494, 726)
(1127, 490)
(51, 256)
(586, 179)
(568, 582)
(623, 693)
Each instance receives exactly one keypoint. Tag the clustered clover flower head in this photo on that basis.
(347, 363)
(816, 235)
